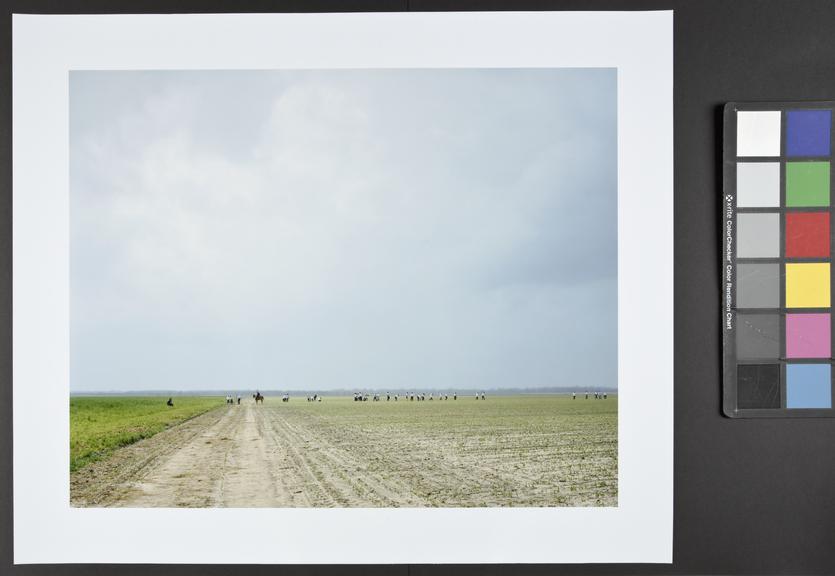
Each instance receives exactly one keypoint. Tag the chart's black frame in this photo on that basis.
(752, 496)
(729, 278)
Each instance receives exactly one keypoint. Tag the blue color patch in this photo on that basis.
(808, 386)
(807, 132)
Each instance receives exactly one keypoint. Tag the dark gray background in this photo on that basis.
(752, 496)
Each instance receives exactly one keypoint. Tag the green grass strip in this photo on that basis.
(101, 424)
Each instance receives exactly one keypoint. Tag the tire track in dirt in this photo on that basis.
(343, 469)
(248, 478)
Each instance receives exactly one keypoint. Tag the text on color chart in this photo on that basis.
(729, 226)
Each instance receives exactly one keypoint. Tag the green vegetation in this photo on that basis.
(99, 425)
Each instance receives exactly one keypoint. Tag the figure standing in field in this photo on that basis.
(573, 395)
(170, 402)
(587, 395)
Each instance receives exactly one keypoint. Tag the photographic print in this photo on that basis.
(343, 288)
(305, 288)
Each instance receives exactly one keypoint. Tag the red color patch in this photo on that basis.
(807, 235)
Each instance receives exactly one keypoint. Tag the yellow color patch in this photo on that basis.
(807, 285)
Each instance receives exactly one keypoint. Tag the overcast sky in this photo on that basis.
(398, 229)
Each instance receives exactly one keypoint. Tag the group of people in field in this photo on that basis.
(597, 395)
(410, 396)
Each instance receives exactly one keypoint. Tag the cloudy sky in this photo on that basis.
(343, 229)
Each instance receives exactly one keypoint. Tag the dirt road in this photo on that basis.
(300, 455)
(237, 456)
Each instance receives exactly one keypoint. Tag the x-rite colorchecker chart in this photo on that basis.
(777, 249)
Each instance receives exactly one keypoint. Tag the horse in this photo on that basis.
(258, 397)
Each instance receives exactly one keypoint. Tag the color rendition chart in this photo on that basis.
(776, 260)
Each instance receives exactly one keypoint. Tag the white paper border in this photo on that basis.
(638, 44)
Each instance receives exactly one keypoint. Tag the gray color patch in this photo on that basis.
(758, 285)
(758, 336)
(758, 235)
(758, 184)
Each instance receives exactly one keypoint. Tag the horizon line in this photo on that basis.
(347, 391)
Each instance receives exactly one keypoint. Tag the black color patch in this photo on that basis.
(758, 386)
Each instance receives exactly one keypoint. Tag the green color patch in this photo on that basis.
(99, 425)
(807, 184)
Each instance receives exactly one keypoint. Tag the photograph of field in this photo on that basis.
(532, 450)
(417, 267)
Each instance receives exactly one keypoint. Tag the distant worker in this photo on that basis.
(482, 396)
(455, 395)
(170, 402)
(587, 394)
(605, 395)
(573, 395)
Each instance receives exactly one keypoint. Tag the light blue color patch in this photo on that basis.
(808, 386)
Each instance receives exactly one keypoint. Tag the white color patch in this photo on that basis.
(48, 530)
(758, 133)
(758, 184)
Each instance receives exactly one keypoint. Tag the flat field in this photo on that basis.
(544, 450)
(99, 425)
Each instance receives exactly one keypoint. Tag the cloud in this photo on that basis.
(343, 229)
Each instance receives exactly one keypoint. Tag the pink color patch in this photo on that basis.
(808, 336)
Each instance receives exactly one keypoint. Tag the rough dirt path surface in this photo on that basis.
(237, 456)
